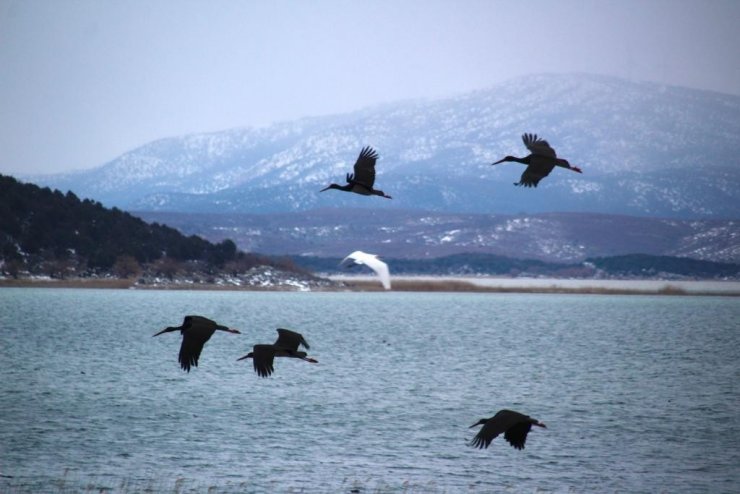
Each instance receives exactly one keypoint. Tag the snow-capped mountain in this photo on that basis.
(645, 149)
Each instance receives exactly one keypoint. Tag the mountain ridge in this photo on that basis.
(646, 149)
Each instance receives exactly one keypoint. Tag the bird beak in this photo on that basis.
(576, 169)
(233, 330)
(242, 358)
(541, 425)
(499, 161)
(312, 360)
(164, 330)
(476, 424)
(325, 188)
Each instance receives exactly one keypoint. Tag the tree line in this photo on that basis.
(44, 231)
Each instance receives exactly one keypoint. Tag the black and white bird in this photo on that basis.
(370, 260)
(514, 425)
(263, 355)
(363, 179)
(196, 331)
(539, 163)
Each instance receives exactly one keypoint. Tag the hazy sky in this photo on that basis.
(82, 81)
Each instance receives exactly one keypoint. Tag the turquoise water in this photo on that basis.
(640, 394)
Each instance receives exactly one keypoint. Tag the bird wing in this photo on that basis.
(499, 423)
(517, 434)
(290, 339)
(487, 433)
(353, 259)
(365, 167)
(197, 331)
(381, 269)
(538, 146)
(263, 358)
(199, 321)
(536, 171)
(370, 260)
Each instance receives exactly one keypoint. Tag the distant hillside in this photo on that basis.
(49, 233)
(548, 237)
(641, 265)
(645, 149)
(630, 266)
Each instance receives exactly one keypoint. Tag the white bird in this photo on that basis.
(370, 260)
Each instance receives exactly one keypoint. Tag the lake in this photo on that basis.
(639, 393)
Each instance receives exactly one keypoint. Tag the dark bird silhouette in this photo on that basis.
(362, 181)
(539, 163)
(514, 425)
(263, 355)
(196, 331)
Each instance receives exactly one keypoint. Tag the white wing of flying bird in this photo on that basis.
(371, 261)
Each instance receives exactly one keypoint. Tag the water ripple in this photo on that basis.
(640, 394)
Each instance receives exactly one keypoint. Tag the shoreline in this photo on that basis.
(426, 284)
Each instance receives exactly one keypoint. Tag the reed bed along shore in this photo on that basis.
(416, 284)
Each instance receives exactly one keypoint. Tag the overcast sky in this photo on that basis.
(83, 81)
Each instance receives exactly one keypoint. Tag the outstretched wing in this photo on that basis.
(290, 340)
(381, 269)
(263, 358)
(196, 332)
(496, 425)
(189, 353)
(488, 433)
(365, 167)
(517, 434)
(537, 169)
(354, 259)
(370, 260)
(538, 146)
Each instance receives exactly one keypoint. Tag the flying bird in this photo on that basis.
(539, 163)
(358, 258)
(514, 425)
(196, 331)
(363, 179)
(286, 345)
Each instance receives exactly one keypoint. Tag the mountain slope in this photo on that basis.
(551, 237)
(47, 232)
(645, 149)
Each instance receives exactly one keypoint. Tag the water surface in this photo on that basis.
(640, 393)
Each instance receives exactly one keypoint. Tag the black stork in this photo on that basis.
(514, 425)
(286, 345)
(196, 331)
(539, 163)
(362, 180)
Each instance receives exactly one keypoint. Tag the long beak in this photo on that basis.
(499, 161)
(541, 425)
(228, 329)
(312, 360)
(576, 169)
(474, 425)
(163, 331)
(242, 358)
(326, 188)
